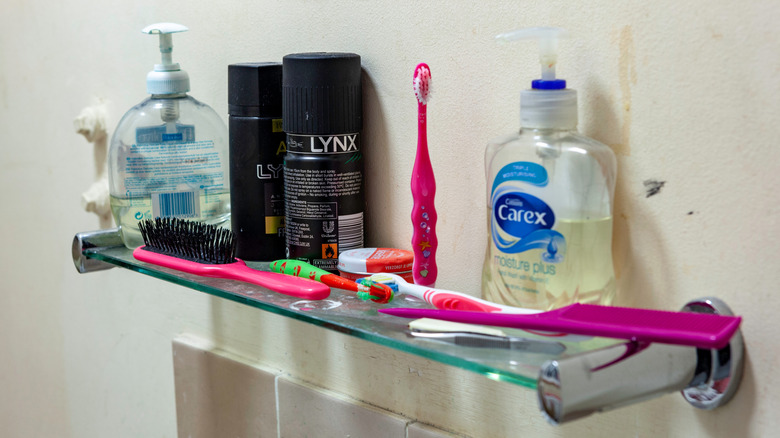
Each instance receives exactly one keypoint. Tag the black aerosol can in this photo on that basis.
(257, 148)
(323, 168)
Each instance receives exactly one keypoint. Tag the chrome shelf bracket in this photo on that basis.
(93, 239)
(576, 386)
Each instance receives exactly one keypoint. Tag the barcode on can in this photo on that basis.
(178, 204)
(350, 231)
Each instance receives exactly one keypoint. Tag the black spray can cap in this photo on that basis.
(322, 93)
(255, 89)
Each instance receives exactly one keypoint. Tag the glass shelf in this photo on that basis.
(345, 313)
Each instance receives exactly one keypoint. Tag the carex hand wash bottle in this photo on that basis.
(549, 199)
(169, 154)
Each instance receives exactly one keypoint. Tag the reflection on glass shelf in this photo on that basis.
(345, 313)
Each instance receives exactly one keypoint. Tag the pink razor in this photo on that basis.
(700, 330)
(424, 241)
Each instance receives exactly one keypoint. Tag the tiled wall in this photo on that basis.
(220, 394)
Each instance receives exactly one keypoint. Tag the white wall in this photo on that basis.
(684, 92)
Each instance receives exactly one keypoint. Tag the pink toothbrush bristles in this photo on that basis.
(422, 83)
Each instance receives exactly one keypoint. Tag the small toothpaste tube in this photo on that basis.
(359, 263)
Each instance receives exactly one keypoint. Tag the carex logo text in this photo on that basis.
(512, 210)
(520, 214)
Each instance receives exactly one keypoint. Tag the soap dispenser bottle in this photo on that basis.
(549, 199)
(169, 154)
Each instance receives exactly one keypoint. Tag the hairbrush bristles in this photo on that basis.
(422, 83)
(188, 240)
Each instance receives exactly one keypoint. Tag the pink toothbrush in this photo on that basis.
(424, 241)
(208, 251)
(701, 330)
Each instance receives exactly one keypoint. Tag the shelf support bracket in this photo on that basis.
(576, 386)
(93, 239)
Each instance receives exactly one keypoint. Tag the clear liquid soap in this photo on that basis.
(169, 154)
(550, 192)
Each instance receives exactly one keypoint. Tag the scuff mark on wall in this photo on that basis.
(627, 77)
(415, 371)
(653, 187)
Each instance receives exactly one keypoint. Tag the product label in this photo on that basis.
(179, 176)
(525, 222)
(183, 205)
(273, 199)
(326, 144)
(324, 197)
(256, 151)
(160, 134)
(520, 224)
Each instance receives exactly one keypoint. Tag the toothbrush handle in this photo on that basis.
(298, 268)
(305, 270)
(450, 300)
(283, 284)
(424, 241)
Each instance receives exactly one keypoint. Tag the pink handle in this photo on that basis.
(424, 241)
(702, 330)
(457, 302)
(283, 284)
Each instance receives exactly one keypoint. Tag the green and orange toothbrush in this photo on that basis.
(374, 291)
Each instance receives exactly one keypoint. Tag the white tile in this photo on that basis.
(419, 430)
(306, 411)
(219, 394)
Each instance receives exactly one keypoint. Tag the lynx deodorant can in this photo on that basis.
(257, 148)
(324, 180)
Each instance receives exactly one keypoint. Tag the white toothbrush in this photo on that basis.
(451, 300)
(444, 299)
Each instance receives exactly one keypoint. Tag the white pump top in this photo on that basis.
(548, 104)
(167, 77)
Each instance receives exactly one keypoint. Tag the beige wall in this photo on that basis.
(684, 92)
